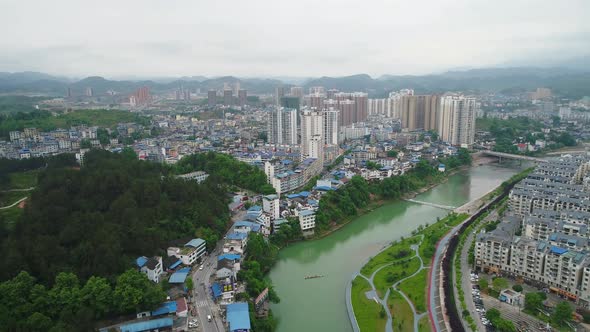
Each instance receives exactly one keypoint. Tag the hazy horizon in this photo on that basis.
(269, 38)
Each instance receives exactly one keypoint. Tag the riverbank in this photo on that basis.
(408, 284)
(377, 203)
(319, 304)
(434, 232)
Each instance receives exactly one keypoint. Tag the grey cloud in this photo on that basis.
(269, 37)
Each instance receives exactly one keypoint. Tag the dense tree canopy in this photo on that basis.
(69, 305)
(96, 220)
(228, 169)
(562, 314)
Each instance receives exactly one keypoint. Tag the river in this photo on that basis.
(319, 304)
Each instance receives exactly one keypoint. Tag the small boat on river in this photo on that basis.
(313, 277)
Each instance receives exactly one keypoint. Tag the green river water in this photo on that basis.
(319, 304)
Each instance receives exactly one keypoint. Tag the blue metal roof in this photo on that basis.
(255, 208)
(195, 243)
(179, 276)
(140, 261)
(306, 212)
(243, 223)
(147, 325)
(216, 290)
(558, 250)
(236, 236)
(238, 316)
(323, 188)
(229, 256)
(175, 265)
(166, 308)
(291, 196)
(304, 194)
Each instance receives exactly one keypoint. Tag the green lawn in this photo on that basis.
(424, 324)
(435, 232)
(455, 219)
(389, 255)
(390, 274)
(415, 289)
(368, 313)
(403, 319)
(22, 180)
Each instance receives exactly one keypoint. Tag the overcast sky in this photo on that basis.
(275, 37)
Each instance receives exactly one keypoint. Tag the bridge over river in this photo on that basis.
(440, 206)
(513, 156)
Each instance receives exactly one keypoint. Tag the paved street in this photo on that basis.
(466, 283)
(202, 296)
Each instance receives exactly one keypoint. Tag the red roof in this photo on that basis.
(181, 305)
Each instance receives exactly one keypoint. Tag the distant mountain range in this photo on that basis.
(570, 82)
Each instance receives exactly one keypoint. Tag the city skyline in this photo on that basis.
(387, 37)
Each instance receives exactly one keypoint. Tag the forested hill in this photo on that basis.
(227, 170)
(97, 219)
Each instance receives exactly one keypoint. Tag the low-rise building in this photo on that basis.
(190, 252)
(198, 176)
(307, 220)
(152, 267)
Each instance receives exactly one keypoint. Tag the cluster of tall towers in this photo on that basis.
(310, 128)
(232, 95)
(317, 117)
(451, 115)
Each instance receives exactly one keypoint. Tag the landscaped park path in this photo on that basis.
(383, 301)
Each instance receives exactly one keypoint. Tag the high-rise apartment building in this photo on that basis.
(541, 93)
(291, 102)
(361, 101)
(316, 100)
(330, 94)
(89, 92)
(456, 120)
(340, 96)
(316, 89)
(297, 91)
(228, 97)
(236, 88)
(360, 105)
(379, 106)
(211, 98)
(242, 97)
(395, 101)
(312, 129)
(346, 107)
(419, 112)
(331, 125)
(140, 97)
(279, 93)
(315, 147)
(282, 126)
